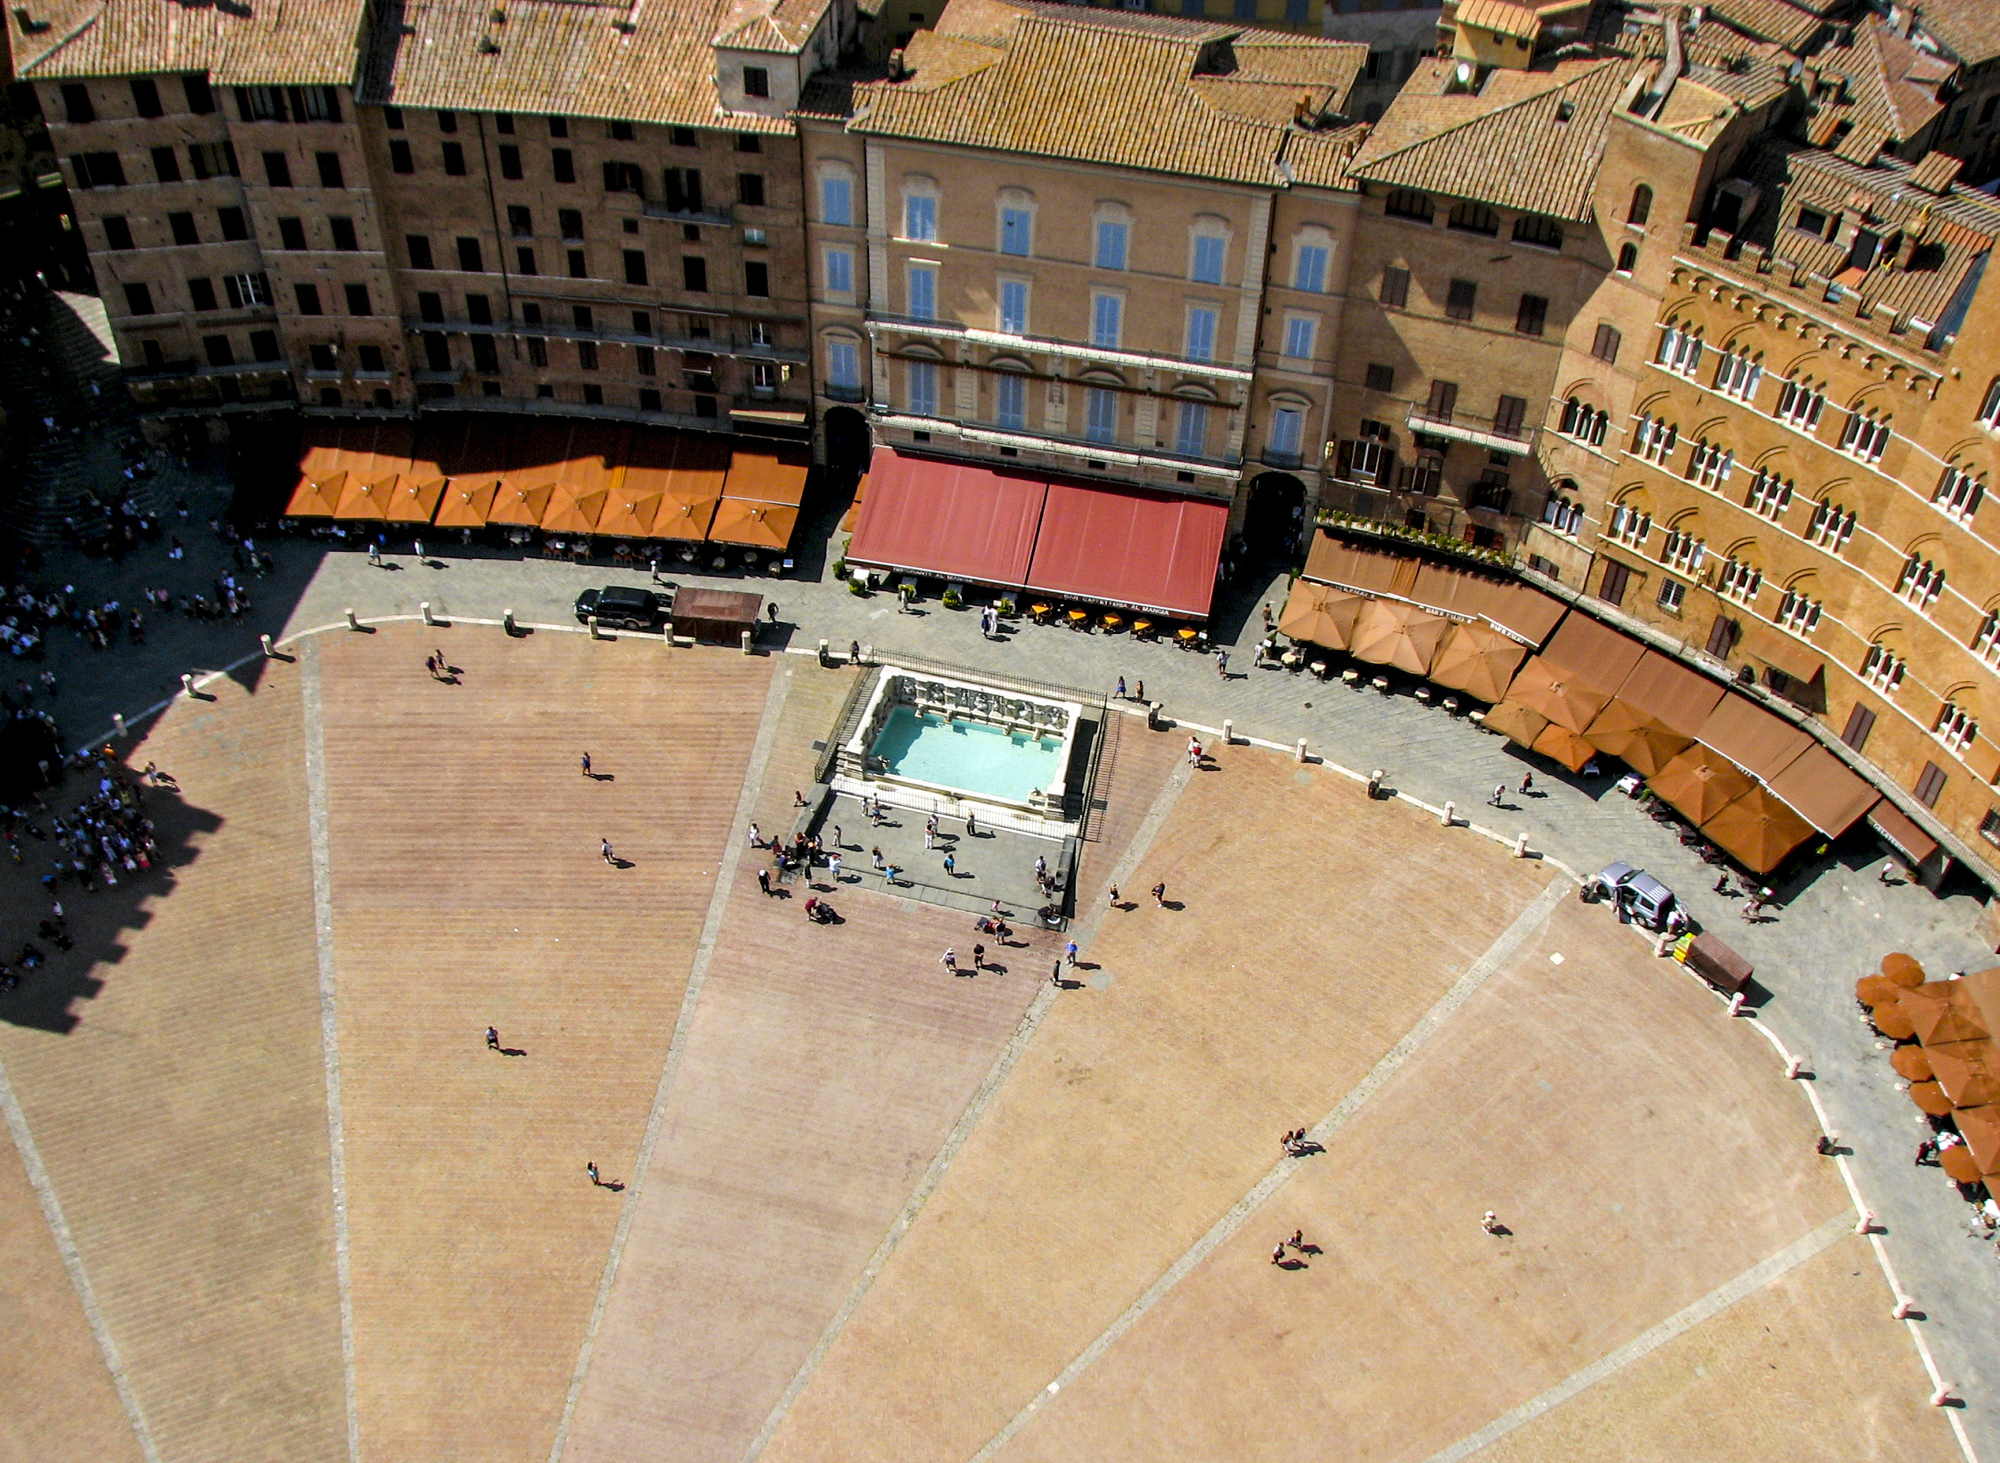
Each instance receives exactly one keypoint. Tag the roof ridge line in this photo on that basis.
(1484, 117)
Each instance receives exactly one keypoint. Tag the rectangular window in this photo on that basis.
(232, 223)
(1442, 402)
(246, 290)
(586, 355)
(454, 159)
(843, 365)
(836, 202)
(577, 265)
(582, 317)
(524, 261)
(118, 233)
(1379, 377)
(569, 223)
(1201, 333)
(1396, 287)
(343, 235)
(510, 162)
(330, 175)
(1508, 415)
(922, 283)
(839, 271)
(756, 81)
(437, 352)
(146, 97)
(1016, 231)
(1460, 298)
(264, 347)
(538, 352)
(1860, 722)
(1288, 426)
(749, 142)
(419, 246)
(479, 309)
(200, 97)
(201, 294)
(98, 170)
(181, 225)
(642, 323)
(1010, 398)
(694, 274)
(470, 258)
(757, 279)
(923, 388)
(643, 360)
(750, 189)
(683, 187)
(635, 266)
(357, 300)
(166, 165)
(558, 126)
(919, 216)
(76, 103)
(1605, 346)
(1112, 238)
(308, 297)
(1930, 782)
(1309, 272)
(562, 164)
(277, 170)
(1532, 315)
(1210, 252)
(1673, 594)
(1014, 307)
(1191, 429)
(1611, 588)
(485, 356)
(1300, 331)
(1100, 414)
(217, 349)
(1107, 321)
(400, 159)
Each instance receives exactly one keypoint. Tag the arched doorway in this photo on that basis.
(1275, 517)
(846, 437)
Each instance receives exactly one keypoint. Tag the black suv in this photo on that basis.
(618, 606)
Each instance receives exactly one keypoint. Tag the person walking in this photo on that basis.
(930, 838)
(1222, 663)
(605, 848)
(949, 960)
(764, 880)
(1113, 901)
(971, 824)
(1268, 621)
(586, 768)
(1069, 954)
(756, 836)
(1499, 792)
(839, 842)
(978, 957)
(950, 865)
(1055, 976)
(591, 1169)
(1278, 1254)
(1121, 689)
(375, 554)
(1041, 868)
(1888, 874)
(833, 866)
(493, 1038)
(875, 854)
(1490, 1223)
(1527, 783)
(1160, 895)
(431, 665)
(419, 545)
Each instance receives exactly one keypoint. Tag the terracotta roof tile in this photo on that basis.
(295, 42)
(1777, 21)
(1970, 28)
(1936, 173)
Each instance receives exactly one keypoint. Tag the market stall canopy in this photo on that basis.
(769, 473)
(1676, 697)
(1980, 1127)
(1402, 636)
(317, 498)
(1751, 737)
(1133, 547)
(629, 513)
(686, 472)
(1516, 722)
(1903, 835)
(1872, 990)
(1964, 1069)
(956, 520)
(415, 500)
(1635, 738)
(1700, 783)
(1593, 654)
(1824, 792)
(466, 504)
(1757, 830)
(753, 525)
(1557, 694)
(1478, 660)
(1943, 1011)
(1523, 613)
(1320, 615)
(520, 506)
(573, 510)
(366, 501)
(1560, 744)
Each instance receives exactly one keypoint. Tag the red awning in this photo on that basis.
(1127, 546)
(950, 519)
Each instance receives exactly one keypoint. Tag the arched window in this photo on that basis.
(1474, 218)
(1955, 727)
(1628, 258)
(1799, 612)
(1986, 643)
(1642, 205)
(1922, 582)
(1865, 435)
(1959, 493)
(1739, 580)
(1832, 525)
(1883, 669)
(1989, 409)
(1770, 495)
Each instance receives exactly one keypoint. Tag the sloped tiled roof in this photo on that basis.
(1971, 28)
(270, 42)
(1530, 140)
(1777, 21)
(571, 57)
(1164, 94)
(1890, 87)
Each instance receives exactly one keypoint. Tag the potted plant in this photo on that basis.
(1005, 607)
(954, 596)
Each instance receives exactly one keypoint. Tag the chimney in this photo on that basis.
(1302, 110)
(897, 70)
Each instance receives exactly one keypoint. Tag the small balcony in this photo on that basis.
(1495, 437)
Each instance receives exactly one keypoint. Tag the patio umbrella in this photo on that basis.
(1516, 722)
(685, 518)
(1930, 1098)
(412, 501)
(1700, 782)
(1959, 1165)
(1478, 660)
(1758, 830)
(629, 514)
(1875, 990)
(1903, 969)
(316, 499)
(1399, 635)
(1911, 1064)
(1556, 694)
(1565, 746)
(1641, 742)
(464, 505)
(753, 525)
(1893, 1021)
(1980, 1127)
(1963, 1070)
(1943, 1011)
(572, 510)
(1320, 615)
(519, 506)
(368, 501)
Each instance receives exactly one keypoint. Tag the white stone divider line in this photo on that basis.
(1003, 1066)
(729, 860)
(1504, 947)
(1714, 1303)
(52, 1215)
(329, 1019)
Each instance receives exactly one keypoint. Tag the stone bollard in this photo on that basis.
(352, 623)
(1375, 783)
(822, 650)
(1866, 1224)
(118, 723)
(1228, 733)
(507, 621)
(1450, 814)
(667, 635)
(746, 642)
(1942, 1396)
(1794, 1067)
(1904, 1305)
(1299, 754)
(425, 606)
(594, 633)
(1736, 1004)
(187, 682)
(1521, 846)
(265, 640)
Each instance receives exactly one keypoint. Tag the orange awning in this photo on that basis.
(629, 513)
(519, 506)
(1516, 722)
(769, 474)
(1700, 783)
(572, 510)
(1757, 830)
(366, 500)
(685, 471)
(316, 498)
(414, 500)
(1562, 745)
(1403, 636)
(753, 525)
(466, 503)
(1320, 615)
(1557, 693)
(1478, 660)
